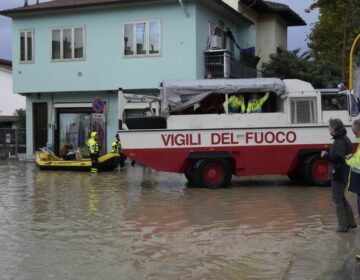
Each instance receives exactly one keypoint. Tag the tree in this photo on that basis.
(20, 118)
(331, 37)
(292, 65)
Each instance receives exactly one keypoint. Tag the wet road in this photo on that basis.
(142, 224)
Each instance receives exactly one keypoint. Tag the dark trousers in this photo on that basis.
(94, 161)
(344, 213)
(354, 187)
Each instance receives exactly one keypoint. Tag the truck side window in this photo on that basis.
(334, 102)
(270, 105)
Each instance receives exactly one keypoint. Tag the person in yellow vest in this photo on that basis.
(116, 145)
(255, 103)
(353, 161)
(116, 148)
(93, 147)
(235, 104)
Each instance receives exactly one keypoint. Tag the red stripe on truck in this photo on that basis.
(249, 160)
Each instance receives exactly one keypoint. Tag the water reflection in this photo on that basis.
(141, 224)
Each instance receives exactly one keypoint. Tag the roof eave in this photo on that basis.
(262, 8)
(291, 18)
(235, 15)
(13, 13)
(22, 11)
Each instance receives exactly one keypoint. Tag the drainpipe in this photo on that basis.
(183, 7)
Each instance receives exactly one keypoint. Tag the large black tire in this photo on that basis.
(190, 175)
(297, 175)
(150, 122)
(317, 171)
(212, 173)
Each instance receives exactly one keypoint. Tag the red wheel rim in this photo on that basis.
(320, 170)
(212, 173)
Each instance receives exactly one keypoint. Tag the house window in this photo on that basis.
(67, 43)
(27, 46)
(142, 38)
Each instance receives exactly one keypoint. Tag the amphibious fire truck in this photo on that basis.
(196, 136)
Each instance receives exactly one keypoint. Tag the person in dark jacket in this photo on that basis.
(339, 173)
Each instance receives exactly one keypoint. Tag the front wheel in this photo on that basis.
(212, 173)
(317, 171)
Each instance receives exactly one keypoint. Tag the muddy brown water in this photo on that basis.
(142, 224)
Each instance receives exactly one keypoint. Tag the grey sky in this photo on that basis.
(296, 35)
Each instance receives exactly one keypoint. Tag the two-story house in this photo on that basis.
(68, 53)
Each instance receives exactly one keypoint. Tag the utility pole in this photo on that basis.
(345, 39)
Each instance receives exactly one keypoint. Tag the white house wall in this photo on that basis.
(271, 34)
(232, 3)
(9, 100)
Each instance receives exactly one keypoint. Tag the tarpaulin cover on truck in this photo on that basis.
(180, 94)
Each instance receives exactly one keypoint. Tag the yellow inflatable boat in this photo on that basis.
(48, 161)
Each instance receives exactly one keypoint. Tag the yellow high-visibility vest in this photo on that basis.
(93, 146)
(354, 161)
(235, 104)
(254, 105)
(116, 146)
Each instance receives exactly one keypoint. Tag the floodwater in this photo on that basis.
(142, 224)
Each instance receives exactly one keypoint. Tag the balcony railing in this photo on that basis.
(221, 64)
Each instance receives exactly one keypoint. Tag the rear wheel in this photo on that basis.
(212, 173)
(317, 171)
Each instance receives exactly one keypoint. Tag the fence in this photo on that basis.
(12, 142)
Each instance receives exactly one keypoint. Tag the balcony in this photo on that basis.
(221, 64)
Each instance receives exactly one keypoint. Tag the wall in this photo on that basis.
(73, 97)
(9, 100)
(271, 33)
(203, 16)
(105, 68)
(232, 3)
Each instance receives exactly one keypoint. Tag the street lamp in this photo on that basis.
(351, 61)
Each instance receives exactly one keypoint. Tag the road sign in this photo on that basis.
(98, 116)
(98, 105)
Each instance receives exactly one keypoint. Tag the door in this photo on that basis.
(40, 120)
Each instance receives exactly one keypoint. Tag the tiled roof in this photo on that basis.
(72, 4)
(7, 64)
(56, 4)
(266, 7)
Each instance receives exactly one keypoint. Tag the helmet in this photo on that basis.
(93, 134)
